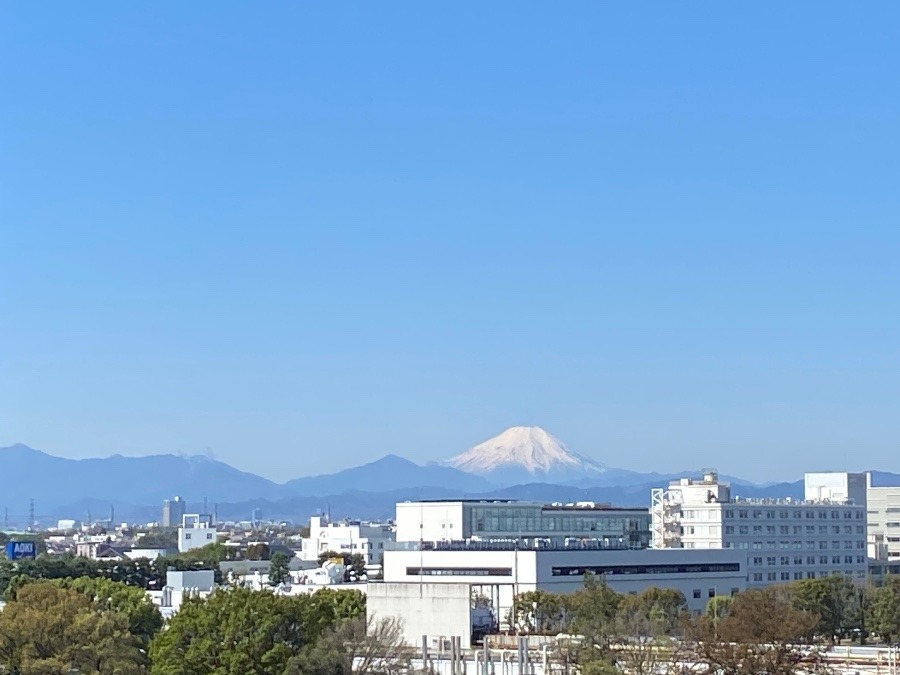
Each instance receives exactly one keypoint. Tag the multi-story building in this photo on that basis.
(883, 504)
(459, 520)
(345, 537)
(172, 512)
(422, 578)
(197, 530)
(784, 539)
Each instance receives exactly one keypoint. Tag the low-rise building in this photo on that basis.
(346, 538)
(416, 574)
(197, 530)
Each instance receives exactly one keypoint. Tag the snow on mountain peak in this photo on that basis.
(528, 448)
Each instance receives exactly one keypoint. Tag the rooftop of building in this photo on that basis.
(524, 544)
(545, 506)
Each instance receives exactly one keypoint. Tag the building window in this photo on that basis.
(209, 536)
(757, 576)
(711, 593)
(696, 593)
(187, 535)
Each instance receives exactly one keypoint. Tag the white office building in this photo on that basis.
(784, 539)
(197, 530)
(421, 579)
(460, 520)
(883, 504)
(346, 537)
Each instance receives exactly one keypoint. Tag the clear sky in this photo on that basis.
(302, 235)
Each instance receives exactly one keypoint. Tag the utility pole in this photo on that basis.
(112, 516)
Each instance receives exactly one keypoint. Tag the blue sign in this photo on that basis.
(16, 550)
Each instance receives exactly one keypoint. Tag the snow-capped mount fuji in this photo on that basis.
(526, 455)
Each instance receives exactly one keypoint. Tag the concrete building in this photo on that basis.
(172, 512)
(345, 537)
(197, 530)
(784, 540)
(458, 520)
(836, 486)
(416, 573)
(883, 506)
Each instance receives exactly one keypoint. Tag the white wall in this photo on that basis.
(195, 537)
(429, 521)
(533, 570)
(435, 610)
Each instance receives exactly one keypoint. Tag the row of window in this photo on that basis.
(772, 560)
(786, 576)
(784, 545)
(786, 529)
(459, 571)
(579, 571)
(711, 593)
(808, 514)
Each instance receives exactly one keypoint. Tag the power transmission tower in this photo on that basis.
(30, 515)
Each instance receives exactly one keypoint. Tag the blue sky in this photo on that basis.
(300, 237)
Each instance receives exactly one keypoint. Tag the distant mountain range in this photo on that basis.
(521, 463)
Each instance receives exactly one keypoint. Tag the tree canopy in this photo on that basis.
(50, 630)
(245, 632)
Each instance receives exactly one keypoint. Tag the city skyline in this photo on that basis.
(301, 238)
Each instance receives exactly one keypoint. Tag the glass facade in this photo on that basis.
(557, 523)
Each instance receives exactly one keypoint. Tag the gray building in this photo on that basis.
(172, 512)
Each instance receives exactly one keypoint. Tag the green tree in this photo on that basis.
(594, 611)
(356, 565)
(244, 632)
(144, 619)
(884, 609)
(49, 630)
(836, 600)
(539, 612)
(161, 537)
(278, 568)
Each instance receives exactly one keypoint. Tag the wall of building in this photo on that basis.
(432, 609)
(836, 486)
(430, 521)
(884, 522)
(503, 519)
(502, 574)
